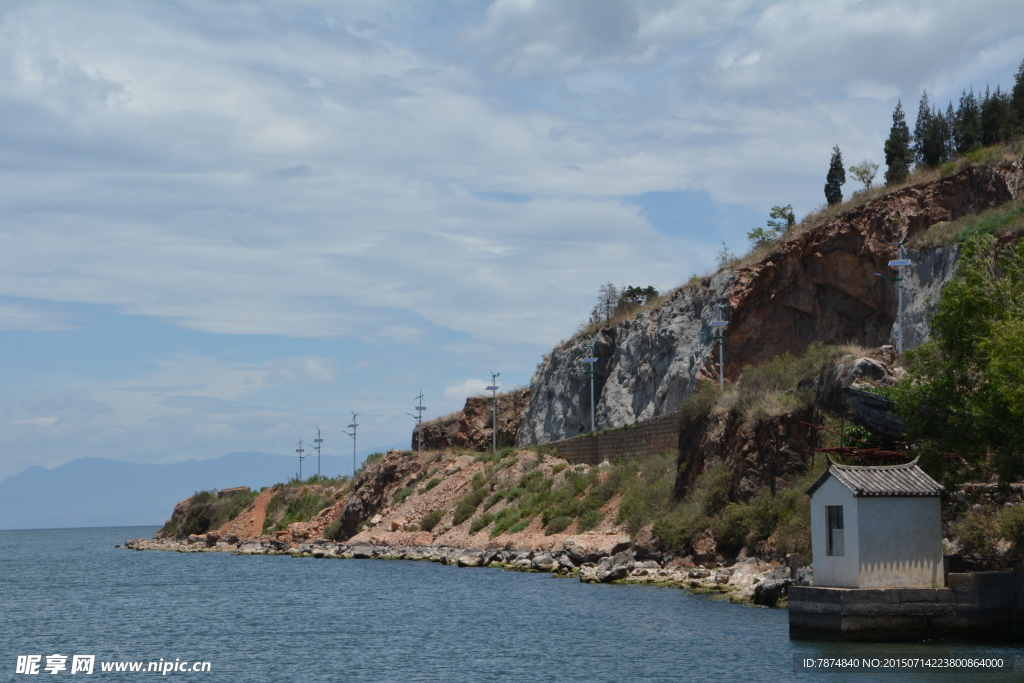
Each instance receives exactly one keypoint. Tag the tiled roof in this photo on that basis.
(889, 480)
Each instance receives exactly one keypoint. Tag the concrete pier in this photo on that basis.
(975, 605)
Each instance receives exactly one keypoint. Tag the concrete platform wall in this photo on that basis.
(987, 605)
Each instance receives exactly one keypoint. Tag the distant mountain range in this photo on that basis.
(100, 492)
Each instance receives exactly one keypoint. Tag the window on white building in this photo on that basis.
(835, 530)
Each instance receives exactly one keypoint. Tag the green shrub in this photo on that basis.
(558, 468)
(557, 525)
(430, 520)
(976, 533)
(431, 484)
(206, 512)
(505, 519)
(493, 499)
(1011, 528)
(402, 495)
(299, 505)
(647, 494)
(468, 504)
(589, 520)
(520, 525)
(480, 522)
(698, 406)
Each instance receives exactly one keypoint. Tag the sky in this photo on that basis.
(224, 224)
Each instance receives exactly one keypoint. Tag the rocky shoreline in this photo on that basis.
(748, 581)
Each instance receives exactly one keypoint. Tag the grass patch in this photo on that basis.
(504, 520)
(1000, 221)
(520, 525)
(431, 484)
(207, 512)
(400, 496)
(493, 499)
(292, 505)
(736, 526)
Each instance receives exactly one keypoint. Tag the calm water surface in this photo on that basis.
(255, 618)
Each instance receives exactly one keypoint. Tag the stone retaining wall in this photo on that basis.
(988, 605)
(649, 437)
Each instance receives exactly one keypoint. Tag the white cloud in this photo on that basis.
(458, 186)
(465, 389)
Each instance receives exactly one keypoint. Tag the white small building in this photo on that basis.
(876, 527)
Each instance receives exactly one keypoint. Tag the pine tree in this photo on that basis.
(949, 141)
(922, 129)
(967, 124)
(897, 148)
(932, 145)
(1017, 98)
(996, 117)
(835, 178)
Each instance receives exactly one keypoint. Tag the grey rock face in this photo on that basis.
(922, 283)
(645, 367)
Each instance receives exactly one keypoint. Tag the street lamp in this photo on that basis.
(318, 441)
(353, 435)
(419, 421)
(494, 399)
(300, 450)
(590, 373)
(901, 262)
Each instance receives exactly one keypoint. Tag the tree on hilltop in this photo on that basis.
(897, 149)
(1017, 98)
(931, 135)
(967, 123)
(835, 179)
(781, 220)
(865, 172)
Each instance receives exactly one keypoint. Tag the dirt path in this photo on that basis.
(249, 524)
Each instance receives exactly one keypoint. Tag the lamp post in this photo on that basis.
(353, 435)
(720, 326)
(494, 399)
(901, 262)
(419, 422)
(300, 450)
(591, 361)
(318, 441)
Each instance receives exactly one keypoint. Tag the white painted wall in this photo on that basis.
(900, 541)
(839, 572)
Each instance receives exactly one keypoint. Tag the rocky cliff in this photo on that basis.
(472, 429)
(818, 286)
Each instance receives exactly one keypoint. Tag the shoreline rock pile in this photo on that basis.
(748, 581)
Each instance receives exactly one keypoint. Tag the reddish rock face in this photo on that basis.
(472, 428)
(822, 285)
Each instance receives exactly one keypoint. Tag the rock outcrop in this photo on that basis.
(472, 428)
(819, 286)
(922, 284)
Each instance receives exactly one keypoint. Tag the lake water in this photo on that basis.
(257, 618)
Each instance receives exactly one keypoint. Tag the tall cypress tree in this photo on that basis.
(835, 178)
(949, 143)
(897, 148)
(922, 128)
(996, 117)
(1018, 98)
(967, 126)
